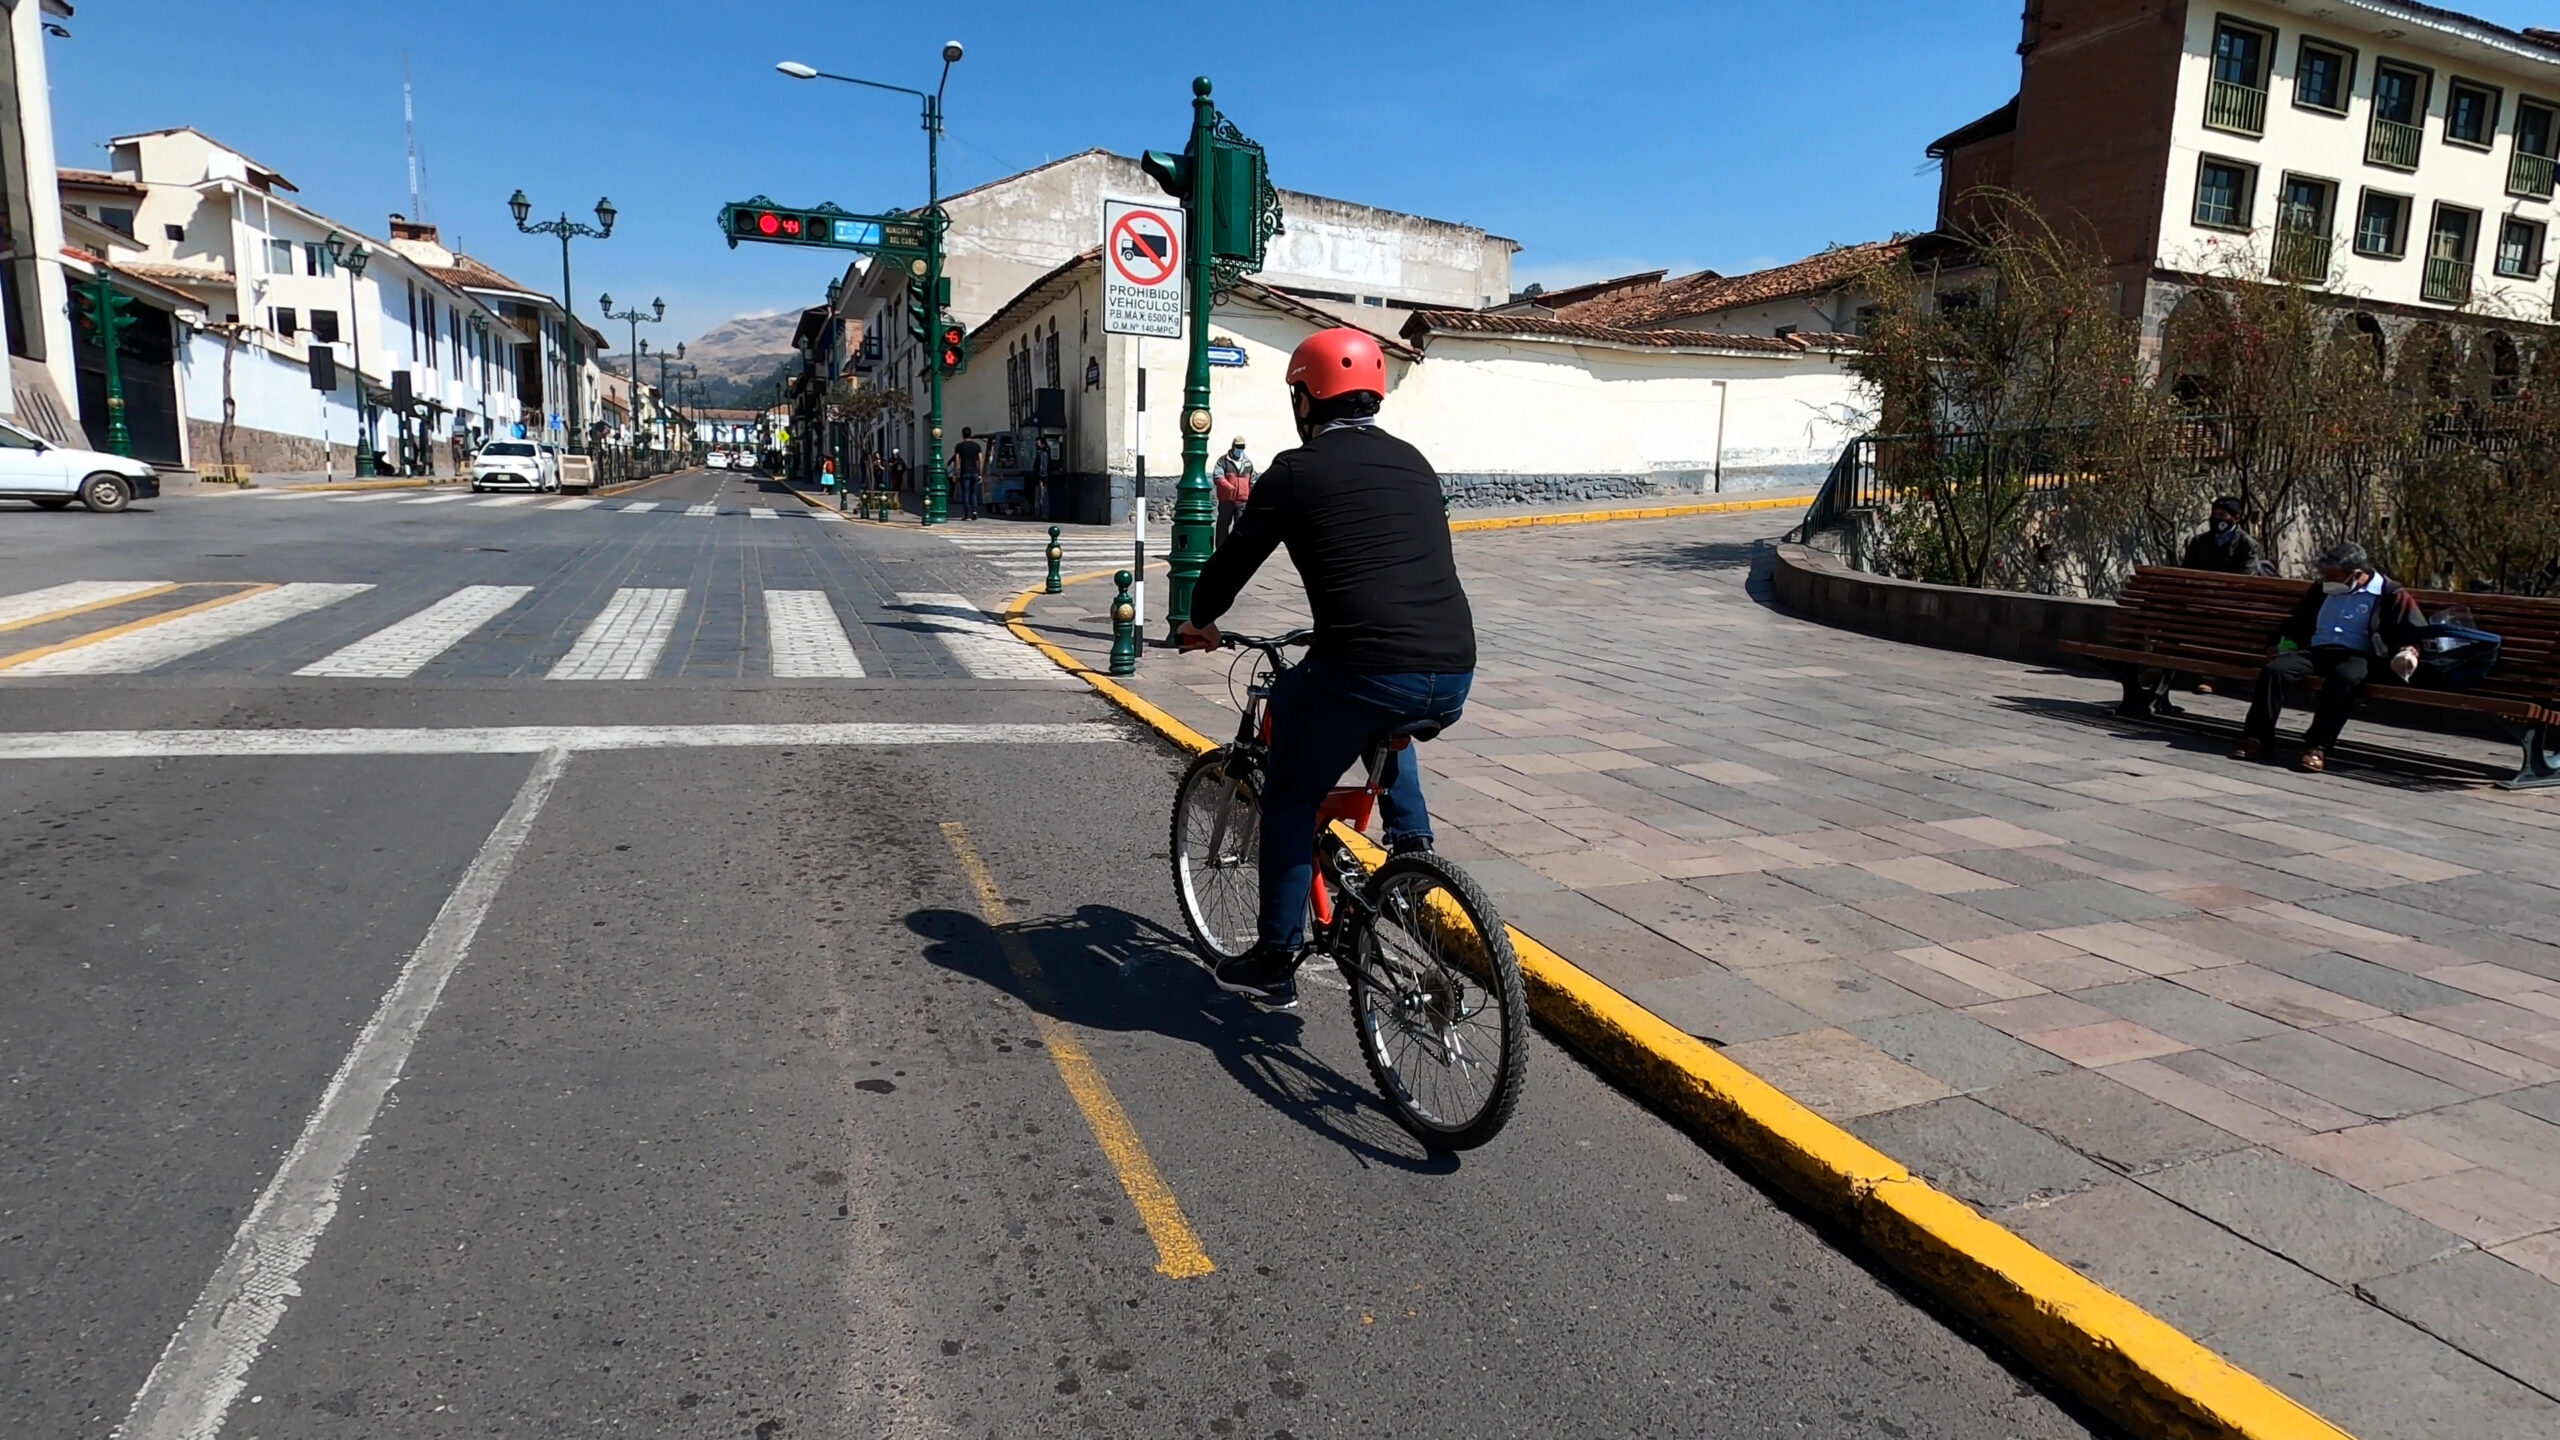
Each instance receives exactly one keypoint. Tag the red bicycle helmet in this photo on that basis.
(1337, 362)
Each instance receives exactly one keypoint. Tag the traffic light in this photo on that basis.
(778, 225)
(951, 352)
(84, 311)
(1170, 171)
(924, 302)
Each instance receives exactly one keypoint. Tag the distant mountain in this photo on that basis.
(738, 359)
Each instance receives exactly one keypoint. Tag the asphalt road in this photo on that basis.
(736, 1116)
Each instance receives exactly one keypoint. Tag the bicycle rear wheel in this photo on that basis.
(1437, 998)
(1216, 849)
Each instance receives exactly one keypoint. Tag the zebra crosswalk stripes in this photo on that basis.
(809, 642)
(1021, 554)
(57, 600)
(701, 511)
(625, 639)
(645, 505)
(435, 499)
(587, 503)
(495, 501)
(405, 647)
(142, 649)
(985, 649)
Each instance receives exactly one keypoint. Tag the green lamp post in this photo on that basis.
(352, 257)
(567, 230)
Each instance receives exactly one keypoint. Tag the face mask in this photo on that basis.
(2221, 527)
(2333, 587)
(1237, 452)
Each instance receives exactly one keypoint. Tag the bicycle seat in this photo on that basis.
(1414, 730)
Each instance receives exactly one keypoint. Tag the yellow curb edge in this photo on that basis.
(2115, 1356)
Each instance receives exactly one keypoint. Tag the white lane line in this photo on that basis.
(624, 640)
(36, 604)
(762, 512)
(985, 649)
(527, 739)
(829, 516)
(141, 650)
(435, 499)
(572, 504)
(365, 499)
(508, 500)
(292, 494)
(201, 1372)
(636, 509)
(404, 647)
(701, 510)
(809, 642)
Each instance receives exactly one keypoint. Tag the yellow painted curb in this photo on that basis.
(68, 611)
(2117, 1357)
(78, 642)
(1643, 512)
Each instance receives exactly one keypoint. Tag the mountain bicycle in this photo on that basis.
(1436, 994)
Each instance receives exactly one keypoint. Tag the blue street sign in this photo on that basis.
(1226, 355)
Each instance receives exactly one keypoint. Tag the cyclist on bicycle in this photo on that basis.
(1362, 516)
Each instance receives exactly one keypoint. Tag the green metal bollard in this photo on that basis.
(1124, 628)
(1056, 554)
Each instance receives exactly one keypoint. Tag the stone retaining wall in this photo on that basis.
(2004, 624)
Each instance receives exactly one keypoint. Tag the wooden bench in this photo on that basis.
(2170, 622)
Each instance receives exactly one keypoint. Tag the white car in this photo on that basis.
(717, 460)
(32, 468)
(516, 465)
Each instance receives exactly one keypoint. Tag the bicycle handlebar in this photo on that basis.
(1267, 643)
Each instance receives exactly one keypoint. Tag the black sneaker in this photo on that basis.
(1409, 845)
(1266, 974)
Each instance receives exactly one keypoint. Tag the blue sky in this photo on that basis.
(1605, 137)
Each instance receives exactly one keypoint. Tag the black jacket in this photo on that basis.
(2396, 620)
(1361, 513)
(2240, 557)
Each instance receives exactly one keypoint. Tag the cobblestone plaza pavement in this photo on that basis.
(2276, 1056)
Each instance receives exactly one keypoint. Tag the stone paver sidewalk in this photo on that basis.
(2276, 1056)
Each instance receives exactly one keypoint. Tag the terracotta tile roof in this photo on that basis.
(99, 180)
(1707, 292)
(470, 274)
(1478, 322)
(175, 274)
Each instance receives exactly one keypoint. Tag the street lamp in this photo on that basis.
(937, 490)
(352, 257)
(637, 317)
(566, 229)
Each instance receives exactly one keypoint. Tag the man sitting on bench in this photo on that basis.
(2356, 617)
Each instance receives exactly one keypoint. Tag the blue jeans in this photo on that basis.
(968, 494)
(1321, 721)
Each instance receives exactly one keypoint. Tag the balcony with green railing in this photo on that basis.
(2241, 109)
(2300, 255)
(2530, 174)
(2394, 144)
(2447, 282)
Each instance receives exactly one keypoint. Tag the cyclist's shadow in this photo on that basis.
(1106, 969)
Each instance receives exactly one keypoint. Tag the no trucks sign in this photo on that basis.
(1142, 269)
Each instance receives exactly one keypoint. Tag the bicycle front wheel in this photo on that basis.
(1437, 998)
(1216, 849)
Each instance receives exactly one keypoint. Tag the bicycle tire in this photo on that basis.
(1237, 883)
(1495, 971)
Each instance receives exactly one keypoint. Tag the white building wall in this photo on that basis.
(2332, 147)
(270, 391)
(1491, 406)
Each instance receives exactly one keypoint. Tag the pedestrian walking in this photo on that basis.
(827, 474)
(971, 456)
(1234, 481)
(898, 471)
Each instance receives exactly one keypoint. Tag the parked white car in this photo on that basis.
(516, 465)
(33, 468)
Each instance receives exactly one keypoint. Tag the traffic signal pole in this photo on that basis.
(108, 307)
(937, 488)
(1195, 508)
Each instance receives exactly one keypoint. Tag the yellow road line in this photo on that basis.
(67, 611)
(77, 642)
(1178, 1251)
(2112, 1353)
